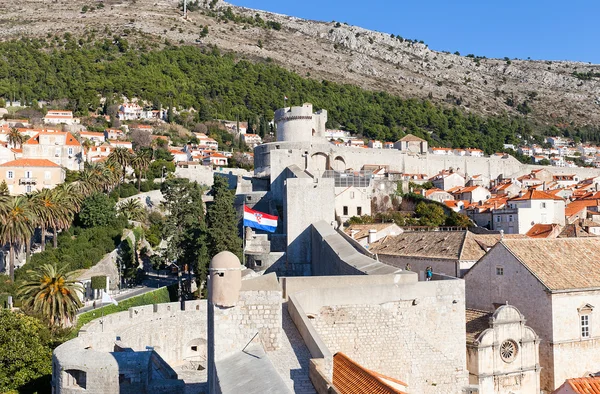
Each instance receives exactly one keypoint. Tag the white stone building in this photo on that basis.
(352, 201)
(527, 209)
(59, 116)
(57, 146)
(555, 283)
(502, 352)
(447, 179)
(411, 144)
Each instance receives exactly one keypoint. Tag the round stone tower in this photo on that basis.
(225, 279)
(299, 124)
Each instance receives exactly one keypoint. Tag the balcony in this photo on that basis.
(28, 181)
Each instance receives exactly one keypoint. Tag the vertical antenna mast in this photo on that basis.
(184, 9)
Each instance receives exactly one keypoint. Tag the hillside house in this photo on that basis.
(60, 117)
(555, 283)
(215, 159)
(352, 201)
(528, 209)
(96, 138)
(27, 175)
(447, 179)
(374, 144)
(251, 140)
(473, 194)
(59, 147)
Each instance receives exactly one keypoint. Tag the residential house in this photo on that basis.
(460, 152)
(179, 155)
(557, 142)
(525, 151)
(411, 144)
(456, 205)
(98, 153)
(27, 175)
(121, 144)
(441, 151)
(130, 111)
(113, 134)
(6, 154)
(436, 194)
(96, 138)
(59, 117)
(566, 180)
(352, 201)
(206, 143)
(528, 209)
(506, 188)
(474, 152)
(215, 159)
(374, 144)
(450, 253)
(477, 180)
(252, 140)
(338, 135)
(473, 194)
(59, 147)
(502, 352)
(556, 284)
(544, 231)
(356, 143)
(365, 234)
(447, 179)
(142, 127)
(388, 145)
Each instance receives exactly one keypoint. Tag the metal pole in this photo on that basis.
(243, 235)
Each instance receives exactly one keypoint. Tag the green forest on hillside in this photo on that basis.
(223, 87)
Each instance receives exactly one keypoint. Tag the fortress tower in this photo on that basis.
(300, 124)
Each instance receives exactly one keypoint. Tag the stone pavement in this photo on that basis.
(292, 359)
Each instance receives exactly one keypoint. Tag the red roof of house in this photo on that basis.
(30, 163)
(541, 230)
(533, 194)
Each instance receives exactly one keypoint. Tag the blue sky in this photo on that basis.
(548, 30)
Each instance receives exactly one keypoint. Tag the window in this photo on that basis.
(28, 174)
(70, 151)
(351, 194)
(345, 211)
(57, 152)
(28, 188)
(498, 219)
(10, 175)
(510, 218)
(500, 271)
(359, 211)
(76, 378)
(543, 205)
(585, 326)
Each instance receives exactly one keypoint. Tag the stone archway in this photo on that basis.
(339, 164)
(195, 353)
(319, 162)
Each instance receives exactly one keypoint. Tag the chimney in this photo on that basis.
(520, 193)
(544, 186)
(372, 236)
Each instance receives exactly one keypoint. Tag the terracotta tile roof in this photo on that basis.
(578, 206)
(477, 322)
(533, 194)
(585, 385)
(349, 377)
(561, 263)
(543, 231)
(29, 163)
(448, 245)
(574, 230)
(434, 190)
(411, 138)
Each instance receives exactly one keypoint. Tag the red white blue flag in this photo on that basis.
(259, 220)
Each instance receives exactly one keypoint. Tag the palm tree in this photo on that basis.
(132, 209)
(86, 144)
(17, 227)
(121, 157)
(15, 138)
(52, 293)
(140, 164)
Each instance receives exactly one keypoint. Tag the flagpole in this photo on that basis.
(243, 235)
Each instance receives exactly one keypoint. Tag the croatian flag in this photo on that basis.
(259, 220)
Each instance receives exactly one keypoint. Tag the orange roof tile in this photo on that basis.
(585, 385)
(541, 230)
(29, 163)
(350, 377)
(533, 194)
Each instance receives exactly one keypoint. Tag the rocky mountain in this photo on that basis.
(555, 92)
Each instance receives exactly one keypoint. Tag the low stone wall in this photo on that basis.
(408, 331)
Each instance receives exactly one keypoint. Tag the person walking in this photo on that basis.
(428, 273)
(407, 268)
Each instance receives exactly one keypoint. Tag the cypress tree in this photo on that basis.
(222, 220)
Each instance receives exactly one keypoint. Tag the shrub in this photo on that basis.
(98, 282)
(97, 210)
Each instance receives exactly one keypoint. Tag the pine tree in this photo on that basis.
(4, 189)
(222, 220)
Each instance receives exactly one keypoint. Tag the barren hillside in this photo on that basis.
(546, 90)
